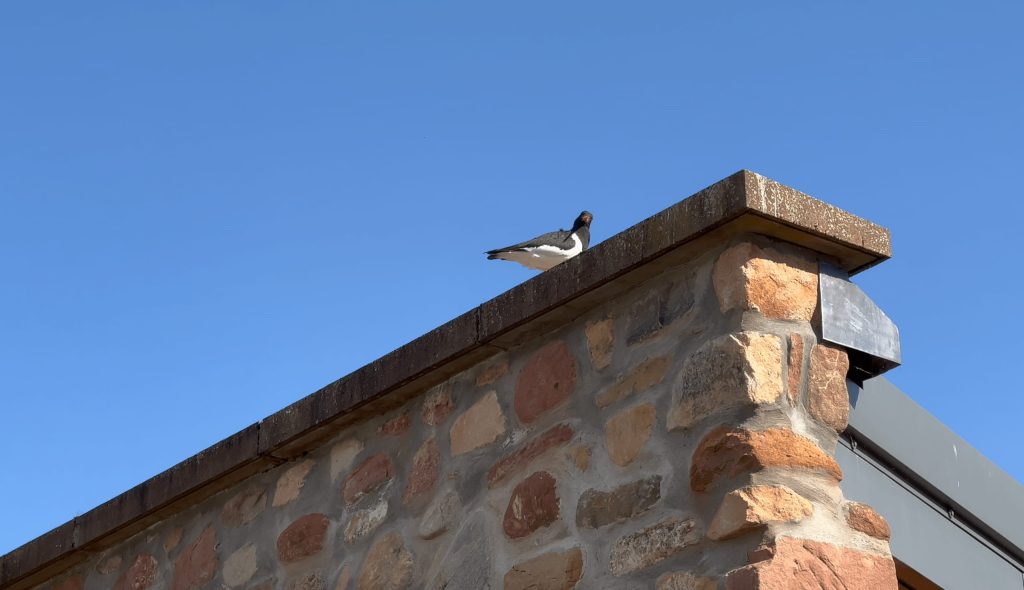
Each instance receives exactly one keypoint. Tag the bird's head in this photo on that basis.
(583, 220)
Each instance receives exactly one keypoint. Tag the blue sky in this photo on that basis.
(211, 209)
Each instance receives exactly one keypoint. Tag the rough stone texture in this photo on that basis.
(396, 426)
(600, 342)
(437, 405)
(343, 578)
(290, 484)
(798, 564)
(795, 367)
(372, 473)
(643, 377)
(731, 451)
(141, 574)
(827, 396)
(440, 516)
(648, 546)
(342, 455)
(388, 565)
(198, 563)
(753, 506)
(492, 372)
(109, 565)
(550, 571)
(303, 538)
(684, 581)
(308, 581)
(240, 566)
(533, 504)
(598, 508)
(780, 286)
(627, 431)
(243, 508)
(863, 518)
(516, 461)
(744, 368)
(480, 425)
(423, 475)
(366, 521)
(581, 457)
(545, 382)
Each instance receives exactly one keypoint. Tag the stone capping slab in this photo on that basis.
(744, 201)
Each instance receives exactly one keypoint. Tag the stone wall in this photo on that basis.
(679, 436)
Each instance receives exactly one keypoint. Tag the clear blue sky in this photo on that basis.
(211, 209)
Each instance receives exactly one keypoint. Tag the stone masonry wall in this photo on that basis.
(679, 437)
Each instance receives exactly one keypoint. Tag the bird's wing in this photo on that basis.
(555, 238)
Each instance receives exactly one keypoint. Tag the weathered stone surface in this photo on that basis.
(581, 457)
(799, 563)
(308, 581)
(440, 516)
(600, 341)
(520, 458)
(72, 583)
(684, 581)
(659, 309)
(242, 508)
(172, 539)
(373, 472)
(423, 475)
(780, 286)
(342, 455)
(545, 382)
(366, 521)
(303, 538)
(731, 451)
(753, 506)
(627, 431)
(643, 377)
(468, 562)
(396, 426)
(109, 565)
(343, 578)
(598, 508)
(551, 571)
(863, 518)
(534, 504)
(198, 562)
(648, 546)
(437, 405)
(289, 485)
(492, 372)
(735, 369)
(388, 565)
(240, 566)
(795, 367)
(480, 425)
(827, 396)
(140, 574)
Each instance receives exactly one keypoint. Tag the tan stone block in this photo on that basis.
(289, 485)
(652, 544)
(480, 425)
(388, 565)
(581, 457)
(800, 563)
(684, 581)
(863, 518)
(780, 286)
(600, 341)
(342, 455)
(545, 382)
(731, 370)
(643, 377)
(795, 368)
(751, 507)
(240, 566)
(550, 571)
(828, 399)
(366, 521)
(627, 432)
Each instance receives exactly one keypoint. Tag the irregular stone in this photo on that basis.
(627, 431)
(731, 370)
(480, 425)
(648, 546)
(827, 397)
(440, 516)
(780, 286)
(600, 340)
(140, 574)
(366, 521)
(344, 578)
(172, 539)
(240, 566)
(795, 369)
(649, 316)
(492, 373)
(309, 581)
(598, 508)
(423, 475)
(545, 382)
(197, 564)
(290, 483)
(684, 581)
(753, 506)
(395, 426)
(551, 571)
(109, 565)
(372, 473)
(581, 457)
(468, 562)
(388, 565)
(799, 563)
(303, 538)
(243, 507)
(515, 462)
(72, 583)
(643, 377)
(534, 504)
(731, 451)
(437, 405)
(342, 455)
(863, 518)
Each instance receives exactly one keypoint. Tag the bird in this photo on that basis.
(547, 250)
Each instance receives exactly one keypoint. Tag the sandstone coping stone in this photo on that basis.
(643, 377)
(776, 284)
(558, 570)
(801, 563)
(388, 565)
(198, 563)
(598, 508)
(652, 544)
(600, 342)
(375, 471)
(521, 457)
(748, 508)
(480, 425)
(303, 538)
(534, 504)
(627, 432)
(863, 518)
(827, 396)
(545, 382)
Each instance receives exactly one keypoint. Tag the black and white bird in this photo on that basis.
(545, 251)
